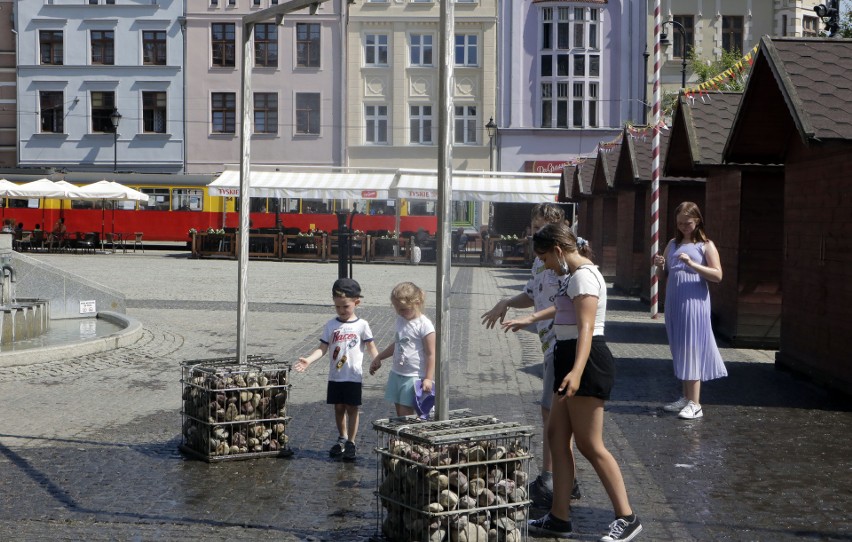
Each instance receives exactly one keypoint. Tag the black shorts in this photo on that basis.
(343, 393)
(599, 374)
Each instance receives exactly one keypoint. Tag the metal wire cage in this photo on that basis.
(460, 480)
(232, 411)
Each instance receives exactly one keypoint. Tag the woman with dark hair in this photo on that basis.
(690, 261)
(584, 371)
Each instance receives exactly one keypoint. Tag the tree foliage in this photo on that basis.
(706, 69)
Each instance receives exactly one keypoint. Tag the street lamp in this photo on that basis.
(664, 41)
(492, 131)
(115, 118)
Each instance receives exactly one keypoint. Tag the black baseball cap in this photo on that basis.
(347, 287)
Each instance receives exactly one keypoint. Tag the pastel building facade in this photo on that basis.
(80, 65)
(8, 85)
(570, 76)
(297, 84)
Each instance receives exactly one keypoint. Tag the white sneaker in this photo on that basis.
(677, 406)
(691, 412)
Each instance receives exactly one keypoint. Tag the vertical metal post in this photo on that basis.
(446, 35)
(655, 162)
(246, 109)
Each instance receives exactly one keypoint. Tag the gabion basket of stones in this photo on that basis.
(459, 480)
(235, 411)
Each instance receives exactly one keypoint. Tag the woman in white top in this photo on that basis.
(584, 373)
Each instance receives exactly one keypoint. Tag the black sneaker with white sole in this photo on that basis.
(621, 530)
(540, 495)
(349, 451)
(548, 525)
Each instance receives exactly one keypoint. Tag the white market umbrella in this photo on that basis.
(107, 190)
(42, 188)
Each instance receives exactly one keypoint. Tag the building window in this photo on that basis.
(223, 42)
(562, 105)
(421, 124)
(810, 27)
(467, 50)
(308, 113)
(546, 104)
(50, 47)
(578, 105)
(266, 112)
(103, 104)
(224, 112)
(732, 34)
(154, 112)
(266, 45)
(467, 124)
(154, 47)
(421, 49)
(376, 117)
(568, 66)
(376, 50)
(52, 111)
(681, 49)
(593, 105)
(308, 45)
(103, 47)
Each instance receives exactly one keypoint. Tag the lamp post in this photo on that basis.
(115, 118)
(492, 131)
(664, 41)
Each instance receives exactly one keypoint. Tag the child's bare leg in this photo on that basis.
(352, 416)
(340, 419)
(402, 410)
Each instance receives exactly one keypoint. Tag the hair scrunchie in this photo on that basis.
(581, 243)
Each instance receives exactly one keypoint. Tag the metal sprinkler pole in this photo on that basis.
(445, 195)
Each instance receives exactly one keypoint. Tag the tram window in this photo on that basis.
(187, 199)
(292, 206)
(158, 199)
(421, 207)
(257, 205)
(15, 203)
(90, 204)
(315, 206)
(382, 207)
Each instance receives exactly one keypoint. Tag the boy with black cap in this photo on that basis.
(344, 338)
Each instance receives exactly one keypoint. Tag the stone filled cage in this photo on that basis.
(460, 480)
(235, 411)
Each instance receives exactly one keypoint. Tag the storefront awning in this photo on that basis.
(306, 184)
(402, 183)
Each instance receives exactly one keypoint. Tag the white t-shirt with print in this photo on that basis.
(345, 341)
(542, 288)
(408, 354)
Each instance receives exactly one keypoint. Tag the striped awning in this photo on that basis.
(385, 184)
(306, 184)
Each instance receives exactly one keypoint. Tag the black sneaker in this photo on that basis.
(337, 450)
(349, 451)
(550, 526)
(622, 531)
(540, 495)
(575, 491)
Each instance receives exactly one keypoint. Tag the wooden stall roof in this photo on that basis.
(603, 178)
(699, 131)
(583, 180)
(566, 186)
(797, 86)
(635, 167)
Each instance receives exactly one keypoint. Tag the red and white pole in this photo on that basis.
(655, 163)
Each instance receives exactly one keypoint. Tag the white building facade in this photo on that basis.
(81, 65)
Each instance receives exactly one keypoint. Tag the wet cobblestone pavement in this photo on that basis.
(89, 446)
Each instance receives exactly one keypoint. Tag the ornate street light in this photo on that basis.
(115, 118)
(492, 131)
(665, 41)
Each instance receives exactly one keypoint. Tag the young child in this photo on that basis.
(344, 338)
(413, 349)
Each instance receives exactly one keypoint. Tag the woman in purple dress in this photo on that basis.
(690, 260)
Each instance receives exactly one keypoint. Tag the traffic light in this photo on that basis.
(830, 14)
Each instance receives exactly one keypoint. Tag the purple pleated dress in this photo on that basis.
(687, 310)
